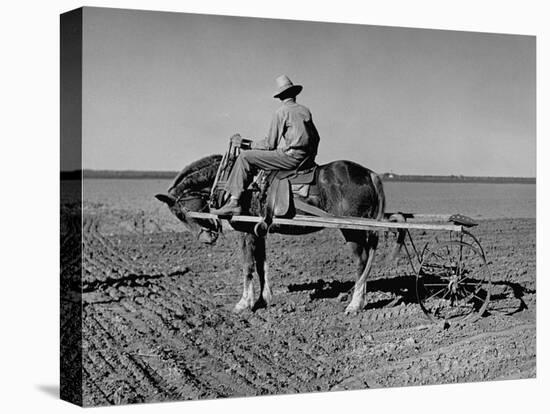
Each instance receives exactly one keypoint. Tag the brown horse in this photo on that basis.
(344, 189)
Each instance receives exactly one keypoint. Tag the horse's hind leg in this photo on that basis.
(363, 249)
(264, 299)
(248, 245)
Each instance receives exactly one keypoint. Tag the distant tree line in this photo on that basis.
(456, 178)
(126, 174)
(132, 174)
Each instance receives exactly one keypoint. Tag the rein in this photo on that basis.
(194, 195)
(198, 195)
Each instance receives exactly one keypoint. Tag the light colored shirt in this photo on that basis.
(292, 130)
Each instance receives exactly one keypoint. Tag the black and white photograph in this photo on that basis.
(264, 207)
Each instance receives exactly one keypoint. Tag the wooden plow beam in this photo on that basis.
(353, 223)
(417, 217)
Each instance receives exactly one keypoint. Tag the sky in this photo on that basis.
(161, 90)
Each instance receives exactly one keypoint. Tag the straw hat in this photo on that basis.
(284, 84)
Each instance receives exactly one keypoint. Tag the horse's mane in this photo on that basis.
(197, 175)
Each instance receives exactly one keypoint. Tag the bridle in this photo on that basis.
(199, 195)
(194, 195)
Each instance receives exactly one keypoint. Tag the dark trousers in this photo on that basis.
(248, 162)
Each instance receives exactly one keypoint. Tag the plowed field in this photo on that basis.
(158, 320)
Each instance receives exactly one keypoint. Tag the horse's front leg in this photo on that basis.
(264, 299)
(247, 251)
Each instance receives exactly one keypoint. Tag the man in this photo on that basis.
(292, 138)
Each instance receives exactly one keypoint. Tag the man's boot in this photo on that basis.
(231, 208)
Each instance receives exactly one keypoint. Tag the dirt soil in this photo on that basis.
(158, 320)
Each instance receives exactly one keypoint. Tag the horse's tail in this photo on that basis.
(377, 181)
(372, 236)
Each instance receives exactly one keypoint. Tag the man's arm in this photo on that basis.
(271, 140)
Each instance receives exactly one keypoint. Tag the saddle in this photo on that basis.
(280, 187)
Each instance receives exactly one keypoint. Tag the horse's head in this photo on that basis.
(190, 192)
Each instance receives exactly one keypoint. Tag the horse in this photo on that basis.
(345, 188)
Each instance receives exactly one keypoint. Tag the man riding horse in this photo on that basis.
(291, 141)
(343, 189)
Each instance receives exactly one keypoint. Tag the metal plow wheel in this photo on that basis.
(453, 282)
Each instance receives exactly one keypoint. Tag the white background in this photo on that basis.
(29, 297)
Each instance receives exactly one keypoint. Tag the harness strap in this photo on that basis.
(308, 208)
(193, 195)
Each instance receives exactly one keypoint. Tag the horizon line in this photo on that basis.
(387, 174)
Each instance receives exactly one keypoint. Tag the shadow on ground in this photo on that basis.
(404, 287)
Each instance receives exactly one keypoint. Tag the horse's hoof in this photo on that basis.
(241, 307)
(267, 297)
(352, 309)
